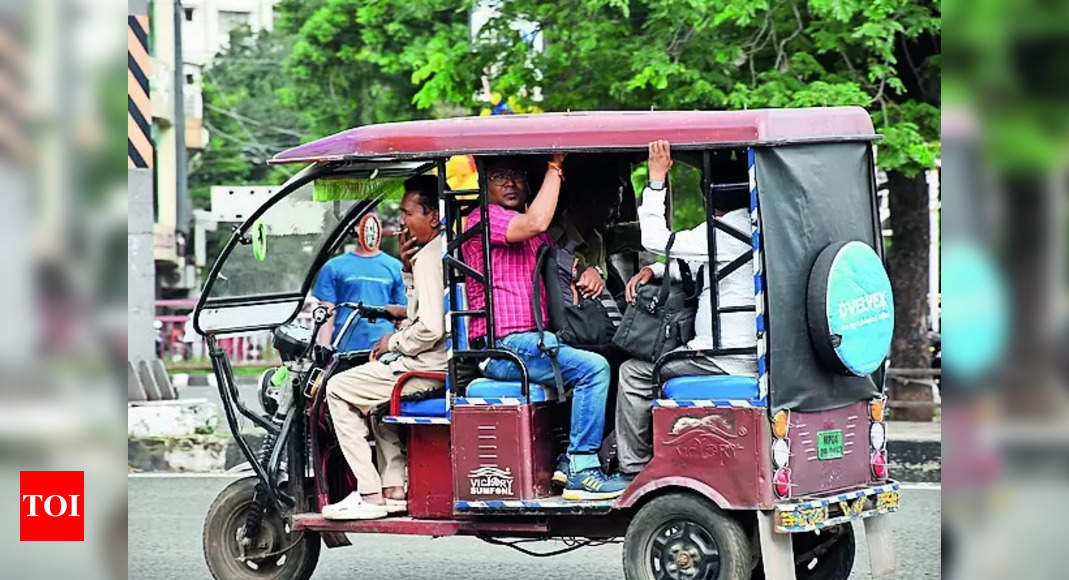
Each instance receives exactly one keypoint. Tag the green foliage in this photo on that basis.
(357, 62)
(682, 54)
(353, 62)
(246, 121)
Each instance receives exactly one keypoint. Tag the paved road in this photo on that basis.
(166, 515)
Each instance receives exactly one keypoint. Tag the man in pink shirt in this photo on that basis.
(516, 232)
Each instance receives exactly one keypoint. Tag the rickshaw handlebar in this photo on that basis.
(368, 311)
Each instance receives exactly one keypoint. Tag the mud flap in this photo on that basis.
(881, 549)
(335, 539)
(777, 550)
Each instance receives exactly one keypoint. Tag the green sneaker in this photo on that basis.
(592, 484)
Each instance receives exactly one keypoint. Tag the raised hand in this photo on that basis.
(660, 160)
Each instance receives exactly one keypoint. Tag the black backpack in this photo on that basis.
(662, 316)
(591, 323)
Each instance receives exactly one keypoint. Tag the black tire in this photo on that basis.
(223, 524)
(683, 536)
(832, 555)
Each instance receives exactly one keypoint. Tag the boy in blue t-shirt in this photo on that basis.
(373, 278)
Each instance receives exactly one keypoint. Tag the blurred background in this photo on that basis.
(215, 88)
(62, 229)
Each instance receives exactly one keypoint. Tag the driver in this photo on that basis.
(419, 346)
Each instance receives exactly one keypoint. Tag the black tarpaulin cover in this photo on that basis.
(809, 196)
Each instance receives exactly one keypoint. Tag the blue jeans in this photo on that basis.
(586, 373)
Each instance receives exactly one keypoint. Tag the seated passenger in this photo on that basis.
(516, 232)
(633, 401)
(420, 346)
(587, 230)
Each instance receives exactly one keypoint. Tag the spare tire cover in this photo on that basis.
(850, 308)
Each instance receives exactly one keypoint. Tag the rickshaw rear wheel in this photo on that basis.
(683, 536)
(827, 556)
(276, 553)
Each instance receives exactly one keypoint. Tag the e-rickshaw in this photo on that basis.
(751, 477)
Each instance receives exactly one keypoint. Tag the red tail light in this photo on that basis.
(879, 464)
(781, 481)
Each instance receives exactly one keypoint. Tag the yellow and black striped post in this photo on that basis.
(138, 102)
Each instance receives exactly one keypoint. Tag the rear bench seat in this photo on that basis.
(491, 392)
(726, 390)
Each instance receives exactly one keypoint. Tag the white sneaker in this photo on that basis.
(396, 506)
(353, 507)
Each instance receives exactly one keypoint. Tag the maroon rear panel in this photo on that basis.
(430, 482)
(504, 452)
(722, 453)
(809, 473)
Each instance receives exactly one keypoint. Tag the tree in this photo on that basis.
(357, 62)
(246, 121)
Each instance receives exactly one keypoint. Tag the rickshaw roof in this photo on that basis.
(592, 130)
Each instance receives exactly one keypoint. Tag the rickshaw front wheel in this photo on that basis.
(274, 554)
(682, 536)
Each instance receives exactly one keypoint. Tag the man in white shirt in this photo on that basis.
(737, 329)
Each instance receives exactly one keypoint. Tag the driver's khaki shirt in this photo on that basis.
(422, 341)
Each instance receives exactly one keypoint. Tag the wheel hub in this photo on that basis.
(684, 559)
(268, 540)
(684, 550)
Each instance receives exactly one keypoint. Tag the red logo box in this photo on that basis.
(52, 506)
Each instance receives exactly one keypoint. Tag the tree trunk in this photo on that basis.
(1034, 247)
(908, 264)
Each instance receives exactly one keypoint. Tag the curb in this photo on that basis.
(915, 461)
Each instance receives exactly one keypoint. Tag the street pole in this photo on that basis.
(182, 202)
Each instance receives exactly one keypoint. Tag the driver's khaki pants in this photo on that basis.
(351, 395)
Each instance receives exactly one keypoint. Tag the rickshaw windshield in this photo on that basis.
(260, 279)
(274, 256)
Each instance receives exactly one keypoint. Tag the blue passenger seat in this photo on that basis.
(437, 407)
(712, 387)
(491, 389)
(425, 408)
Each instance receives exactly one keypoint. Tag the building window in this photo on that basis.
(189, 14)
(229, 20)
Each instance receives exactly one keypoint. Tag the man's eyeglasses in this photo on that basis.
(502, 176)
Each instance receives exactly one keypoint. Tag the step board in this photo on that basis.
(555, 505)
(415, 526)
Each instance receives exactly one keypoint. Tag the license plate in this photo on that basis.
(830, 444)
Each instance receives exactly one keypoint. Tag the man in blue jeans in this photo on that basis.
(516, 233)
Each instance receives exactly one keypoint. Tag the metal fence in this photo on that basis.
(181, 348)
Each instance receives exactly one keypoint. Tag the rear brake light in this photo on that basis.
(782, 483)
(879, 464)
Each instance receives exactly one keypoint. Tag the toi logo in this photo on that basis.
(51, 506)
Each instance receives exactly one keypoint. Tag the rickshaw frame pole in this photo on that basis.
(218, 358)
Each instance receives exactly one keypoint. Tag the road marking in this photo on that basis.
(923, 486)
